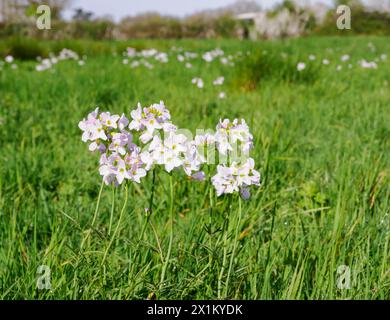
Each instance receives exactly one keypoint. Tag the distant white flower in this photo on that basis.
(208, 57)
(130, 52)
(134, 64)
(148, 53)
(222, 95)
(44, 65)
(224, 60)
(125, 61)
(219, 81)
(344, 58)
(368, 65)
(188, 65)
(67, 54)
(9, 59)
(162, 57)
(325, 61)
(198, 82)
(190, 55)
(39, 68)
(211, 55)
(338, 68)
(147, 64)
(312, 57)
(301, 66)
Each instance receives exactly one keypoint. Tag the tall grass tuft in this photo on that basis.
(259, 66)
(25, 49)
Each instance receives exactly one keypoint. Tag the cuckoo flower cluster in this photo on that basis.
(234, 141)
(120, 158)
(160, 143)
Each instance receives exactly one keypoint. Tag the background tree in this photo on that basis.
(82, 15)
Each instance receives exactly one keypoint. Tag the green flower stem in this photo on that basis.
(117, 226)
(150, 208)
(94, 216)
(112, 210)
(223, 265)
(234, 246)
(98, 204)
(211, 196)
(167, 258)
(225, 247)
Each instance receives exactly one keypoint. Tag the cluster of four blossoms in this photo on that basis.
(122, 159)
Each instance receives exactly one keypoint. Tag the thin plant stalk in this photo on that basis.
(94, 216)
(223, 265)
(168, 256)
(98, 204)
(148, 215)
(150, 209)
(234, 246)
(117, 226)
(112, 210)
(211, 196)
(225, 248)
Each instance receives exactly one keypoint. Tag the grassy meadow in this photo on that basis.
(321, 144)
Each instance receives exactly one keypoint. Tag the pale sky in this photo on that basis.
(121, 8)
